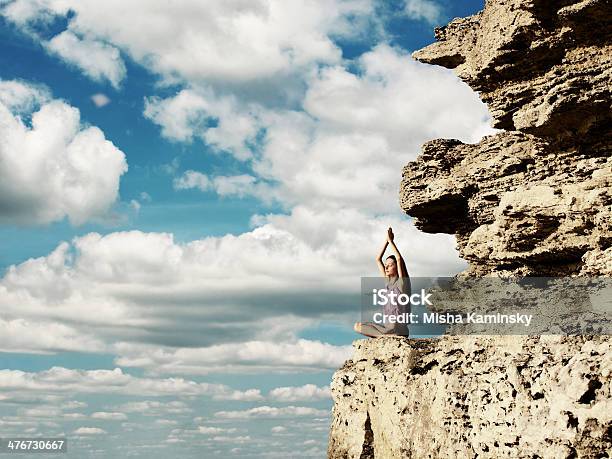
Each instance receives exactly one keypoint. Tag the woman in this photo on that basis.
(398, 281)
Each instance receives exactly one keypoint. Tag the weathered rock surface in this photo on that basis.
(468, 397)
(542, 66)
(534, 200)
(537, 199)
(514, 206)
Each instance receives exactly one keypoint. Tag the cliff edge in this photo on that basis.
(467, 397)
(532, 200)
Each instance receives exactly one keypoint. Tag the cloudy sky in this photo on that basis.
(190, 192)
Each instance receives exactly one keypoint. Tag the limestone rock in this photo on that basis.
(514, 206)
(542, 66)
(536, 199)
(468, 397)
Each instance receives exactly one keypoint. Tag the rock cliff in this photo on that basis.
(532, 200)
(535, 199)
(467, 397)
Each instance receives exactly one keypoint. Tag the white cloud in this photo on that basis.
(53, 167)
(235, 185)
(226, 185)
(427, 10)
(100, 100)
(398, 99)
(89, 431)
(307, 392)
(278, 429)
(221, 122)
(215, 430)
(192, 179)
(109, 416)
(263, 412)
(228, 41)
(22, 97)
(237, 439)
(155, 407)
(27, 336)
(62, 380)
(97, 60)
(348, 146)
(248, 395)
(173, 440)
(31, 398)
(249, 356)
(359, 131)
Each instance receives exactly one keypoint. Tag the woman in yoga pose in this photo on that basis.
(398, 281)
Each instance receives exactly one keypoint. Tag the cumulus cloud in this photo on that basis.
(52, 167)
(97, 60)
(192, 179)
(244, 357)
(89, 431)
(219, 121)
(265, 412)
(62, 380)
(345, 148)
(155, 407)
(426, 10)
(207, 430)
(225, 42)
(109, 416)
(357, 132)
(233, 440)
(226, 185)
(26, 336)
(100, 100)
(22, 97)
(307, 392)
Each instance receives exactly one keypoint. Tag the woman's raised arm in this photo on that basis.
(401, 265)
(379, 259)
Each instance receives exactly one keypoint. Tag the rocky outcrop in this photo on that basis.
(468, 397)
(542, 66)
(537, 198)
(514, 206)
(533, 200)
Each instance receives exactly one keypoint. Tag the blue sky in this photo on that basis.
(190, 197)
